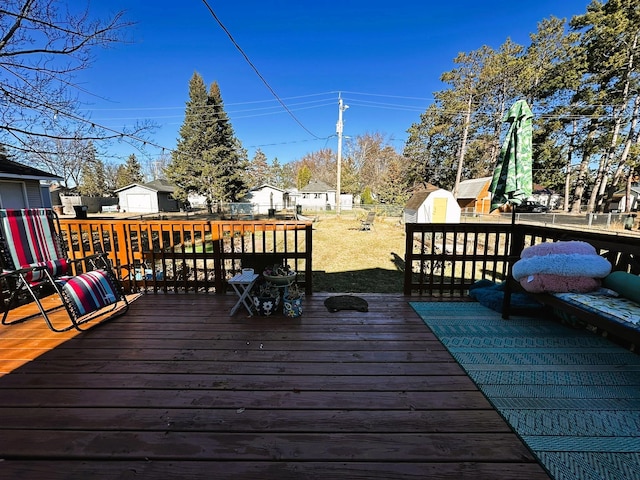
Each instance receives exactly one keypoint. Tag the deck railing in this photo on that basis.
(445, 259)
(192, 255)
(200, 256)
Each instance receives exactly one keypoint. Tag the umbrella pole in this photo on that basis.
(506, 299)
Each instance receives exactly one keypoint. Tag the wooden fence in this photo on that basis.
(191, 256)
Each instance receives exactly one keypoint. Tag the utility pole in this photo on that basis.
(341, 108)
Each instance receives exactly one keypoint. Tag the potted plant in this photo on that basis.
(266, 298)
(292, 301)
(279, 274)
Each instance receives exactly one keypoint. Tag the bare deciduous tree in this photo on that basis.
(43, 44)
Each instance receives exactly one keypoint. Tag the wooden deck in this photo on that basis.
(179, 389)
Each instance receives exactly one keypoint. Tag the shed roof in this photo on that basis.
(419, 197)
(161, 185)
(158, 185)
(472, 188)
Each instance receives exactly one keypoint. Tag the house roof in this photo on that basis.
(161, 185)
(472, 188)
(419, 197)
(265, 185)
(11, 169)
(158, 185)
(622, 193)
(317, 186)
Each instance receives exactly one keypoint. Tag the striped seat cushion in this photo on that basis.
(89, 292)
(56, 268)
(30, 238)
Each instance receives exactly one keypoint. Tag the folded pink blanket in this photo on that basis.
(544, 282)
(558, 248)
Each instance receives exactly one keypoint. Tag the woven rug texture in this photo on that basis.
(572, 396)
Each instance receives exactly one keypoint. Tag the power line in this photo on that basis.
(244, 55)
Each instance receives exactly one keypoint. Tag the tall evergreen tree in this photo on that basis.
(259, 171)
(134, 169)
(228, 155)
(129, 173)
(208, 159)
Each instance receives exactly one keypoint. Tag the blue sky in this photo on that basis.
(386, 59)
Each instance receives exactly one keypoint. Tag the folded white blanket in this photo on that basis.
(568, 265)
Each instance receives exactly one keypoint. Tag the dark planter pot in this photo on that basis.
(292, 308)
(266, 306)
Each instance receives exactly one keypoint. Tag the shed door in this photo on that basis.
(439, 213)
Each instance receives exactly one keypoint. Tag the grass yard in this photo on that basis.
(348, 259)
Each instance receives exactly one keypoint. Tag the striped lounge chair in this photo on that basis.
(34, 261)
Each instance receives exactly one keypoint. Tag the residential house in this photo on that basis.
(317, 195)
(546, 197)
(619, 199)
(22, 186)
(264, 198)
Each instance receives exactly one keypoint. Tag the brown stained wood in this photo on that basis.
(281, 470)
(179, 389)
(223, 420)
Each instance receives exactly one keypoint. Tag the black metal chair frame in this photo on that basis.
(16, 282)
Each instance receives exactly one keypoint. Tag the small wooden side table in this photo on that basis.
(242, 284)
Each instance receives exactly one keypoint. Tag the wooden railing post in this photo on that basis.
(218, 257)
(308, 272)
(408, 258)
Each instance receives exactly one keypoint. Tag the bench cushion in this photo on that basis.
(616, 309)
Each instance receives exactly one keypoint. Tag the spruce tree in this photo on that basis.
(259, 171)
(133, 169)
(208, 159)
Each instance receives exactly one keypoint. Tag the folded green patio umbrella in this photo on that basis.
(512, 176)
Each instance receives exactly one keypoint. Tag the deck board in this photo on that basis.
(179, 389)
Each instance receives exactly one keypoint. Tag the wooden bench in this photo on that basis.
(623, 254)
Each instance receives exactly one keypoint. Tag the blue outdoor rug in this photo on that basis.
(573, 397)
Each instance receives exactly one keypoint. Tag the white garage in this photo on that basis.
(152, 197)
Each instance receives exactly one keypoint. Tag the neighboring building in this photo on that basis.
(474, 196)
(432, 205)
(619, 200)
(266, 197)
(317, 196)
(21, 186)
(152, 197)
(546, 197)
